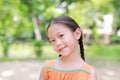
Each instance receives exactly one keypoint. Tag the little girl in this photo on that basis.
(65, 36)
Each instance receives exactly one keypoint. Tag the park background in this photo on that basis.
(24, 46)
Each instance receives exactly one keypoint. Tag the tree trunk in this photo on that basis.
(36, 29)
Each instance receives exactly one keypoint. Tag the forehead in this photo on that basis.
(57, 28)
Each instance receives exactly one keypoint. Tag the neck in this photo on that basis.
(74, 57)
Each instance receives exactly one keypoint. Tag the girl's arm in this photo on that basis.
(42, 74)
(93, 75)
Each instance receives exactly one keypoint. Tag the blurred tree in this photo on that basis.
(32, 8)
(7, 25)
(27, 19)
(116, 4)
(100, 9)
(37, 12)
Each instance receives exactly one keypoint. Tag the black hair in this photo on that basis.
(72, 25)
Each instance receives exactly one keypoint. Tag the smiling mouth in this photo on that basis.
(61, 49)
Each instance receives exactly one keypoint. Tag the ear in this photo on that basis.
(77, 33)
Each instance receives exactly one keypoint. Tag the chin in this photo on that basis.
(65, 54)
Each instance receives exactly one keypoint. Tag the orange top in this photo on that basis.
(52, 73)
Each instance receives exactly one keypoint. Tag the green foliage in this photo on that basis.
(38, 47)
(5, 43)
(116, 4)
(16, 21)
(115, 39)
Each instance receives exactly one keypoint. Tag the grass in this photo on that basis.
(25, 51)
(106, 52)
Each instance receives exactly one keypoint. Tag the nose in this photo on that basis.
(58, 42)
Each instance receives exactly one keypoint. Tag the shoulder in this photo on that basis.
(87, 67)
(41, 77)
(43, 70)
(49, 63)
(93, 74)
(91, 70)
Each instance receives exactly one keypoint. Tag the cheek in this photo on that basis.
(54, 47)
(71, 43)
(69, 40)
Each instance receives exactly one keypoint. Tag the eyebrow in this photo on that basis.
(56, 34)
(49, 38)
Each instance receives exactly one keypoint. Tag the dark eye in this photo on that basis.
(61, 35)
(52, 40)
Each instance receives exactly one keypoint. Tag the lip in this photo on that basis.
(59, 50)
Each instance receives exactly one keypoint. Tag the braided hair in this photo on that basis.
(72, 25)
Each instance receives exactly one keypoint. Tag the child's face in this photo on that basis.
(63, 40)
